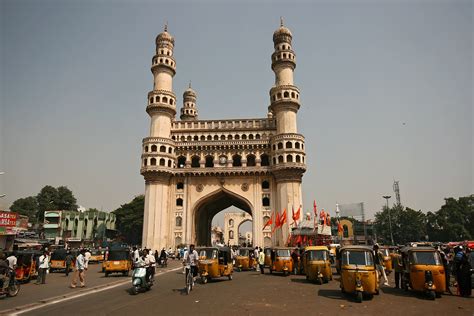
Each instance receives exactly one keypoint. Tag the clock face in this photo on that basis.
(222, 160)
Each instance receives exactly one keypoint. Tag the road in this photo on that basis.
(251, 293)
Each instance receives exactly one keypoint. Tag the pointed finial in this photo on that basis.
(166, 26)
(281, 21)
(189, 84)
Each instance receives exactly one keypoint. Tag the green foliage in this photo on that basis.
(66, 200)
(407, 225)
(454, 221)
(130, 220)
(26, 206)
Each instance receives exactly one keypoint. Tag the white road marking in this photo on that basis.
(92, 291)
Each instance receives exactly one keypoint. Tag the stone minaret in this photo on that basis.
(287, 145)
(189, 111)
(158, 149)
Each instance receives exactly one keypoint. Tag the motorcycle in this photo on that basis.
(13, 287)
(139, 280)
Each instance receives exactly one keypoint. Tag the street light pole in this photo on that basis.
(386, 197)
(2, 195)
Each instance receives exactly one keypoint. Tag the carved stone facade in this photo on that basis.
(194, 168)
(232, 222)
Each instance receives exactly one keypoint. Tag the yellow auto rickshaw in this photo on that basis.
(26, 265)
(96, 256)
(268, 257)
(245, 259)
(58, 260)
(281, 261)
(118, 261)
(317, 264)
(387, 258)
(358, 273)
(423, 271)
(215, 262)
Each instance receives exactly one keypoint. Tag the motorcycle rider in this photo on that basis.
(150, 260)
(4, 272)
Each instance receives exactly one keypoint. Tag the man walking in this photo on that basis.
(42, 267)
(256, 256)
(69, 258)
(79, 272)
(398, 267)
(261, 261)
(378, 258)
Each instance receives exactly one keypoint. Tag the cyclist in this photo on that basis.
(191, 259)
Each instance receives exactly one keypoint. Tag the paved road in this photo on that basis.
(57, 284)
(251, 293)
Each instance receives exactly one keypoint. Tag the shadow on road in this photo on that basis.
(336, 295)
(403, 293)
(301, 281)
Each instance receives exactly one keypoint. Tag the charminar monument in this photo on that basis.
(195, 168)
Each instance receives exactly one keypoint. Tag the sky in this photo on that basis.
(386, 92)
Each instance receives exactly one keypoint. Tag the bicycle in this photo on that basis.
(189, 279)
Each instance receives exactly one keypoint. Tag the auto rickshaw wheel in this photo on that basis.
(135, 290)
(358, 297)
(125, 273)
(438, 295)
(271, 271)
(320, 281)
(377, 292)
(230, 277)
(106, 274)
(204, 280)
(431, 295)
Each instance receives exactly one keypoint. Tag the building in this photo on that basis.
(11, 224)
(232, 222)
(77, 227)
(193, 169)
(217, 237)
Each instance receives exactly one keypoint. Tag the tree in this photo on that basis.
(130, 220)
(50, 198)
(407, 224)
(66, 200)
(453, 222)
(26, 206)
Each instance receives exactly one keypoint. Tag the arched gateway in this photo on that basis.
(194, 168)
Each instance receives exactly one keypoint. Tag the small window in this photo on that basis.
(209, 137)
(153, 148)
(289, 158)
(181, 161)
(216, 137)
(196, 138)
(144, 162)
(251, 137)
(244, 136)
(170, 150)
(251, 161)
(153, 161)
(231, 234)
(289, 145)
(231, 222)
(265, 185)
(162, 162)
(298, 158)
(169, 163)
(179, 202)
(286, 94)
(222, 137)
(162, 149)
(280, 145)
(265, 161)
(265, 201)
(146, 149)
(209, 161)
(297, 145)
(237, 161)
(280, 159)
(237, 137)
(179, 221)
(229, 137)
(195, 162)
(180, 186)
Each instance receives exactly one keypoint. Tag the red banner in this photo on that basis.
(8, 219)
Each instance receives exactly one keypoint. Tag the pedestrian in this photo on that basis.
(87, 256)
(295, 256)
(191, 259)
(79, 271)
(69, 259)
(256, 256)
(43, 265)
(444, 259)
(397, 265)
(261, 261)
(463, 272)
(378, 258)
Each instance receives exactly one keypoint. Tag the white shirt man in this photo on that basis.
(191, 258)
(87, 256)
(12, 261)
(150, 258)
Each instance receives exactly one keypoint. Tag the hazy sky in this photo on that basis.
(386, 91)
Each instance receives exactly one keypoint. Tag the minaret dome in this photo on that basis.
(189, 111)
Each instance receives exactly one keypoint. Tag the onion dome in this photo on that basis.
(165, 36)
(282, 34)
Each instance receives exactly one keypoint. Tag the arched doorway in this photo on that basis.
(245, 233)
(208, 207)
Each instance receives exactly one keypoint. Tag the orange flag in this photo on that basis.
(269, 222)
(283, 218)
(277, 222)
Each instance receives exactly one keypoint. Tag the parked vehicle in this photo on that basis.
(97, 256)
(26, 268)
(358, 273)
(423, 271)
(281, 261)
(317, 264)
(118, 261)
(245, 259)
(215, 262)
(58, 260)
